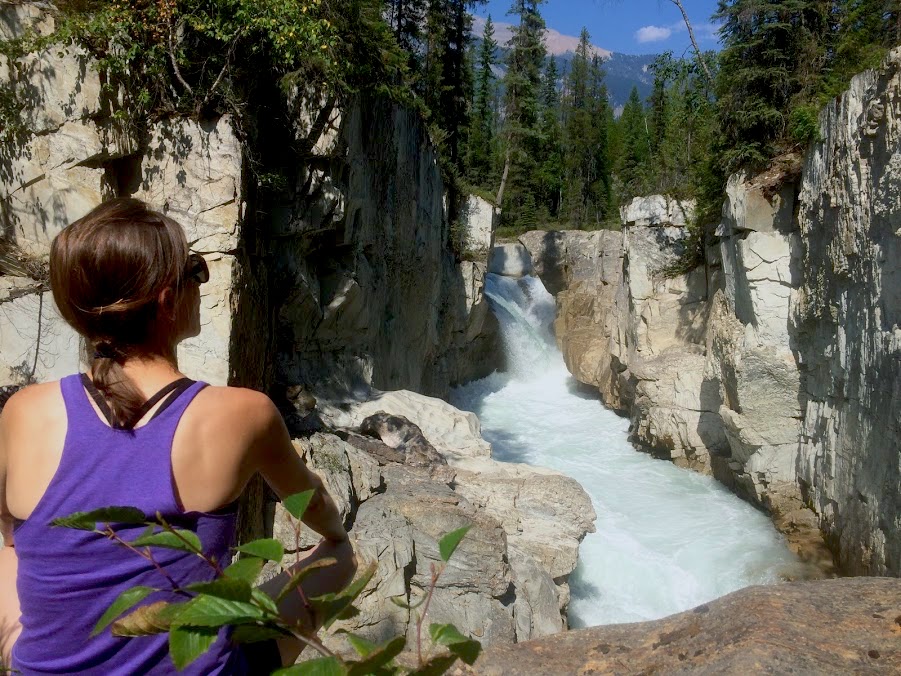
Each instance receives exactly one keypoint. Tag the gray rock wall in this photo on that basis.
(370, 292)
(350, 282)
(846, 322)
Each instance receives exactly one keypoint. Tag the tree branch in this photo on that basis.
(174, 61)
(694, 42)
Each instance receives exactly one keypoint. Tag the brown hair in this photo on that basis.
(107, 271)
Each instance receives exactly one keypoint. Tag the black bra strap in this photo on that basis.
(177, 386)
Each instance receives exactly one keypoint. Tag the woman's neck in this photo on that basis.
(152, 372)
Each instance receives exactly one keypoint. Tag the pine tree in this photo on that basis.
(578, 133)
(863, 30)
(773, 52)
(481, 139)
(588, 196)
(522, 86)
(635, 149)
(406, 19)
(550, 170)
(601, 188)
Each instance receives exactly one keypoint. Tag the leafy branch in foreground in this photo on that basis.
(193, 623)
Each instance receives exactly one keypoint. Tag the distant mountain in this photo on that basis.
(623, 71)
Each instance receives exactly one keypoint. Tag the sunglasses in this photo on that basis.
(197, 269)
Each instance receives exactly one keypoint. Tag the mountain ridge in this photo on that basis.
(623, 71)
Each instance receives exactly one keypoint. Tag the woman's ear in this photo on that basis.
(167, 301)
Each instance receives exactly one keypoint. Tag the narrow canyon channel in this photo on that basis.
(667, 539)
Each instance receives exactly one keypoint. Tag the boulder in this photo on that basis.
(477, 218)
(562, 258)
(510, 260)
(400, 434)
(454, 433)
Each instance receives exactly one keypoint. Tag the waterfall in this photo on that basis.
(667, 539)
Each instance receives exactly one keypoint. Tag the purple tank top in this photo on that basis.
(68, 578)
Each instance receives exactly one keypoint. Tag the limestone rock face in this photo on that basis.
(824, 627)
(370, 293)
(510, 260)
(355, 266)
(478, 223)
(508, 581)
(751, 368)
(658, 210)
(846, 322)
(634, 332)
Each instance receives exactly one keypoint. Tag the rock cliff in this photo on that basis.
(774, 365)
(346, 278)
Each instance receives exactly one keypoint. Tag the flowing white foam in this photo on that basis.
(667, 539)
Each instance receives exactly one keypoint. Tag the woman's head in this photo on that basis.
(123, 278)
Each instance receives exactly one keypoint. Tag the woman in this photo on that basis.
(135, 432)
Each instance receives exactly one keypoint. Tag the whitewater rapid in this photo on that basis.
(667, 539)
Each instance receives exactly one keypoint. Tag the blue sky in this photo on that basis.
(628, 26)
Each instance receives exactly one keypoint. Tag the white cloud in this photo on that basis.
(653, 33)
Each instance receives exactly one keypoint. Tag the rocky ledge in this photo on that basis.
(405, 469)
(825, 627)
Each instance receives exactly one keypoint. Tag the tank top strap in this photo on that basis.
(79, 411)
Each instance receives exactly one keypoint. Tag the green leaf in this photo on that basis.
(182, 540)
(186, 644)
(89, 520)
(325, 666)
(232, 589)
(245, 569)
(437, 666)
(448, 635)
(148, 620)
(125, 601)
(254, 633)
(362, 645)
(268, 549)
(302, 574)
(449, 543)
(297, 504)
(265, 601)
(209, 611)
(378, 658)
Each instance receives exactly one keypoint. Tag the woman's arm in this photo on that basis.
(9, 599)
(286, 473)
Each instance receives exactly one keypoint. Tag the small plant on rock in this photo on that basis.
(230, 599)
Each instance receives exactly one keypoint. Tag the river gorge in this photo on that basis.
(667, 539)
(663, 458)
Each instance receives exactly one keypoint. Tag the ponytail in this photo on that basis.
(118, 390)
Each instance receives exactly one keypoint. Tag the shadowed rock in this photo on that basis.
(398, 433)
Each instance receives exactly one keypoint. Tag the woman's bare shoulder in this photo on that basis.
(34, 401)
(234, 407)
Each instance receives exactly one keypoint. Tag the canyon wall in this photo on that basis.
(346, 279)
(774, 364)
